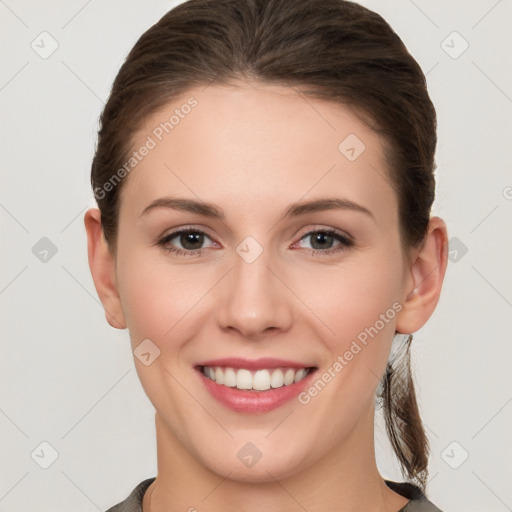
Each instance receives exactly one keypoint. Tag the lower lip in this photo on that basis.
(254, 401)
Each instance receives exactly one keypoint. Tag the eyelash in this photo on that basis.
(345, 242)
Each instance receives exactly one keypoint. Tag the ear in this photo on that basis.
(425, 279)
(102, 265)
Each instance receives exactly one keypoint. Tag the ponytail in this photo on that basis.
(401, 413)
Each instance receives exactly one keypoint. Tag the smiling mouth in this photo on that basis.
(259, 380)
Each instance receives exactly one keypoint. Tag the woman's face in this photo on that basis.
(268, 284)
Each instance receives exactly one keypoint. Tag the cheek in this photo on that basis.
(159, 296)
(160, 299)
(356, 297)
(150, 303)
(361, 308)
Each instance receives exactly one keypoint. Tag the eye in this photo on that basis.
(326, 241)
(190, 242)
(186, 242)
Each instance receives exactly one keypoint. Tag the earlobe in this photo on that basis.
(101, 264)
(427, 272)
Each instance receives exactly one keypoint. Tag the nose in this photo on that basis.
(254, 300)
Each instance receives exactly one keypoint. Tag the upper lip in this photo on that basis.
(254, 364)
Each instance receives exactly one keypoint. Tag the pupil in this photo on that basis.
(188, 240)
(321, 237)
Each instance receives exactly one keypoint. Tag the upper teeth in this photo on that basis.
(259, 380)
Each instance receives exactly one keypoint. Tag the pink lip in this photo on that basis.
(256, 402)
(255, 364)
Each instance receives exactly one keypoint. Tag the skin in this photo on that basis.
(253, 149)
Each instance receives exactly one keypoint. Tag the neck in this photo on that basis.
(346, 480)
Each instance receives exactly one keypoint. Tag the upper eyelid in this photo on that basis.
(308, 232)
(343, 238)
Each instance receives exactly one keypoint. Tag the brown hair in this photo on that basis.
(334, 50)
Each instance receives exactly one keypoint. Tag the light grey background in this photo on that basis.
(68, 378)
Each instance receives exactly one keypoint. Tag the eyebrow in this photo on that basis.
(294, 210)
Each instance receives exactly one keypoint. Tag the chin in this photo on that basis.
(253, 466)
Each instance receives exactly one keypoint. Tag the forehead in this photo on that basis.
(253, 141)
